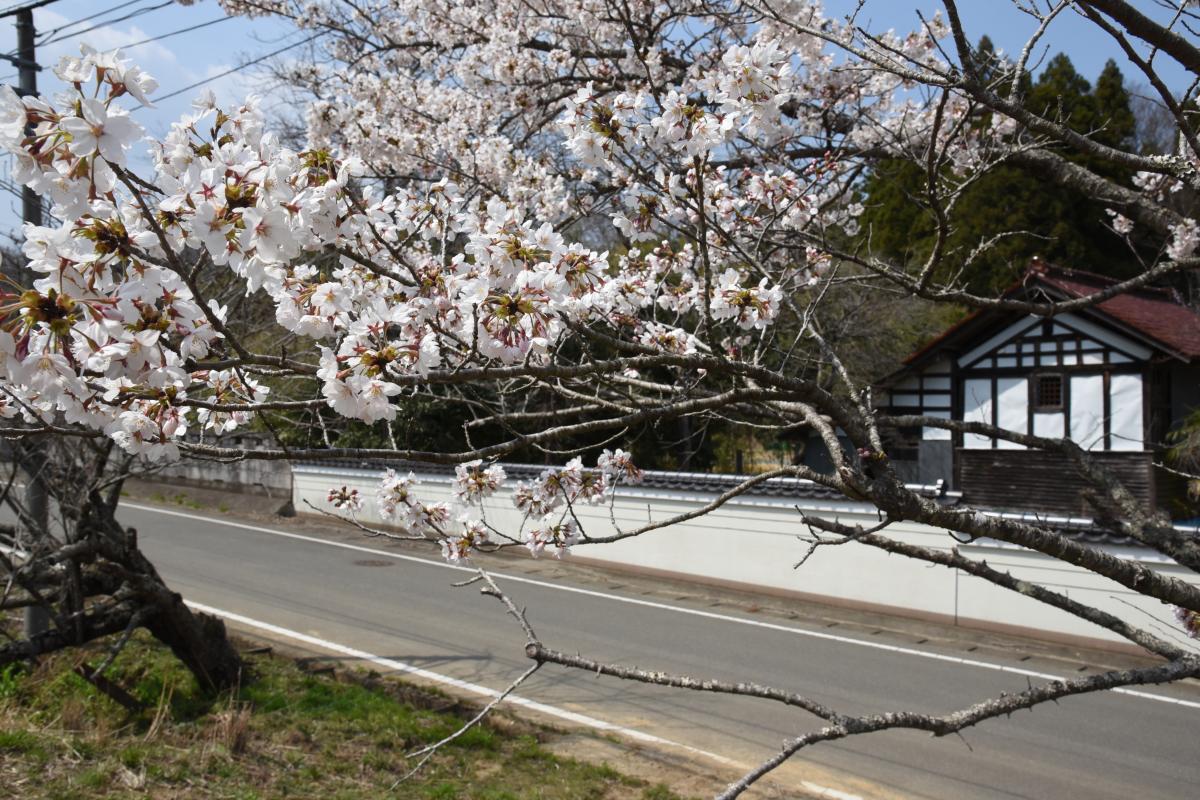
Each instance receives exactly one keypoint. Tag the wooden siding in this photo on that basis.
(1037, 481)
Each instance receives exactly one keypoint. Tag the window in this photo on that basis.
(1047, 392)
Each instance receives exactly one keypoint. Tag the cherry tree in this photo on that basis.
(565, 220)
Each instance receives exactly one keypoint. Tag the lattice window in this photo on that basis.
(1048, 392)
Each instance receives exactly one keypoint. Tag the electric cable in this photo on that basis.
(188, 29)
(238, 68)
(135, 13)
(75, 22)
(17, 9)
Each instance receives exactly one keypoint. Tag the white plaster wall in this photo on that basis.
(752, 540)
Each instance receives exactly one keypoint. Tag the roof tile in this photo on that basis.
(1155, 313)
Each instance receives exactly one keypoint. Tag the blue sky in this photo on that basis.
(218, 46)
(1088, 46)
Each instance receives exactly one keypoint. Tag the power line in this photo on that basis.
(188, 29)
(135, 13)
(238, 68)
(17, 9)
(75, 22)
(24, 15)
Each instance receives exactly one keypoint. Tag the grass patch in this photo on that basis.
(287, 734)
(179, 499)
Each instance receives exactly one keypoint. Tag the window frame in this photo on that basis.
(1035, 391)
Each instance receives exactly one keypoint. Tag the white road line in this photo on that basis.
(474, 688)
(825, 791)
(524, 702)
(466, 686)
(890, 648)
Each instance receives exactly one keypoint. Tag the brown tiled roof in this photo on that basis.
(1154, 313)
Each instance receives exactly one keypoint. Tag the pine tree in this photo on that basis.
(1061, 92)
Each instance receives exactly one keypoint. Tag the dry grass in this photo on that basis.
(231, 728)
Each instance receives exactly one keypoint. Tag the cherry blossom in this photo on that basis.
(345, 498)
(1185, 238)
(618, 466)
(99, 129)
(559, 536)
(474, 482)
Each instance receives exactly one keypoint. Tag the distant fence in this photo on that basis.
(751, 542)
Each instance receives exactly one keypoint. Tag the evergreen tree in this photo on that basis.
(1058, 224)
(1114, 111)
(1061, 92)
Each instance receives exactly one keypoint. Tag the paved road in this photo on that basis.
(1093, 748)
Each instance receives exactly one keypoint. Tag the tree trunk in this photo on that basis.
(95, 581)
(198, 640)
(36, 529)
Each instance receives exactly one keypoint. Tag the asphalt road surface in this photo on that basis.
(401, 606)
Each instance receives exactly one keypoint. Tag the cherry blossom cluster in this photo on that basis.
(558, 487)
(473, 481)
(397, 503)
(458, 533)
(344, 498)
(1189, 620)
(428, 227)
(464, 259)
(558, 536)
(1185, 238)
(656, 115)
(550, 498)
(460, 527)
(104, 336)
(571, 110)
(113, 336)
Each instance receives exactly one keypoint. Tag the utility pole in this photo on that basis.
(37, 505)
(27, 68)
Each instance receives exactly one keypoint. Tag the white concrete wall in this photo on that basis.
(752, 541)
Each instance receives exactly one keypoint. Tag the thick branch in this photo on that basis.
(980, 569)
(1149, 31)
(543, 654)
(971, 715)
